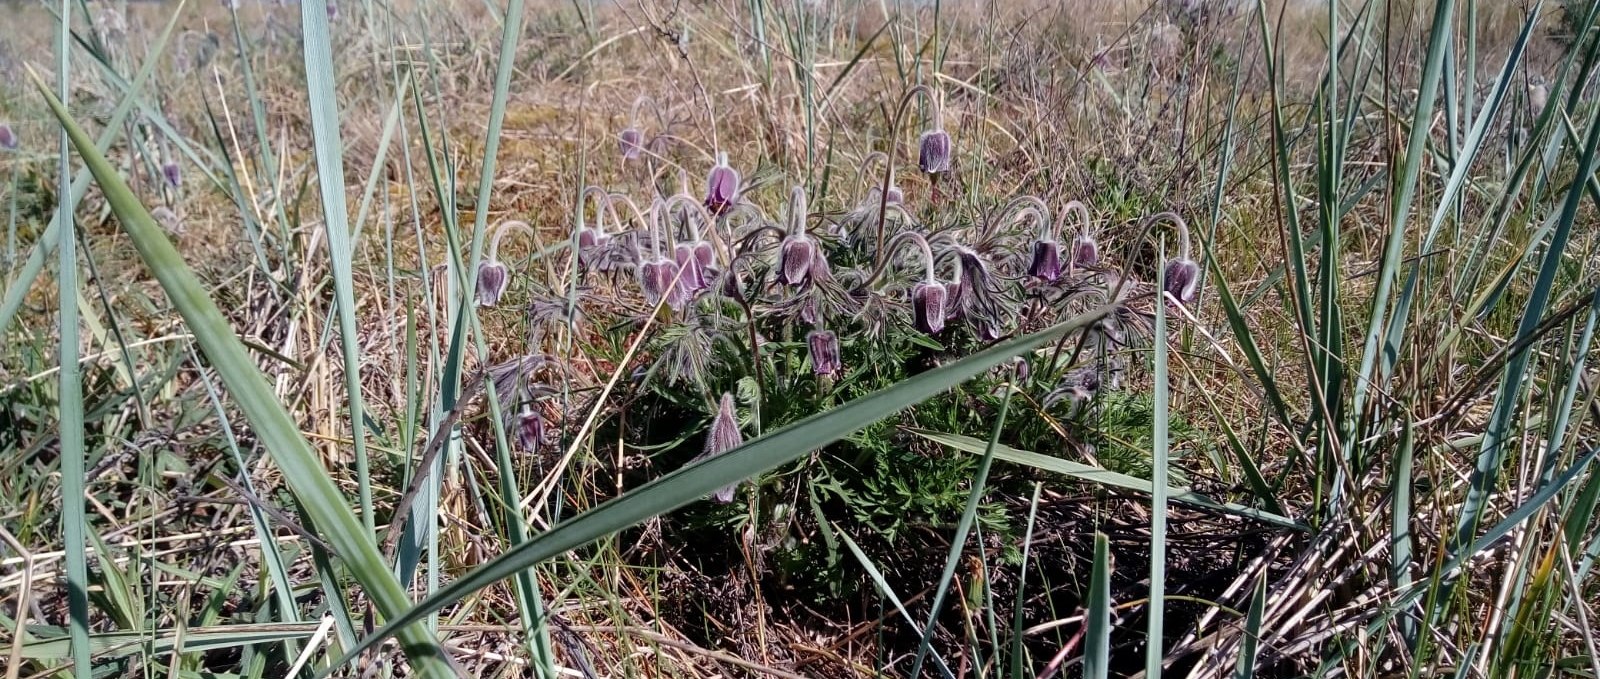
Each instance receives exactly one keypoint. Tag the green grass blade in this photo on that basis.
(1400, 547)
(194, 639)
(1246, 667)
(329, 147)
(701, 479)
(1097, 614)
(1156, 635)
(74, 519)
(1101, 476)
(1017, 651)
(958, 543)
(885, 590)
(277, 430)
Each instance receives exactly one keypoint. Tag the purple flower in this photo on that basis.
(1085, 252)
(928, 307)
(492, 280)
(694, 278)
(1182, 279)
(530, 429)
(824, 347)
(704, 254)
(590, 239)
(632, 143)
(722, 185)
(656, 278)
(8, 138)
(795, 258)
(724, 436)
(170, 172)
(934, 154)
(1046, 260)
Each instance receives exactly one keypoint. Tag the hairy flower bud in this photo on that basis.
(928, 307)
(795, 258)
(704, 254)
(722, 186)
(492, 280)
(8, 138)
(171, 173)
(632, 141)
(724, 436)
(1182, 279)
(934, 155)
(1085, 252)
(530, 429)
(1046, 260)
(824, 347)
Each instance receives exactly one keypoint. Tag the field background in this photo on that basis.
(1382, 385)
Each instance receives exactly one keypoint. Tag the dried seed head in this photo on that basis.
(722, 185)
(632, 141)
(1182, 279)
(1085, 252)
(1046, 260)
(795, 258)
(824, 347)
(493, 278)
(928, 307)
(530, 429)
(170, 172)
(724, 436)
(934, 154)
(8, 138)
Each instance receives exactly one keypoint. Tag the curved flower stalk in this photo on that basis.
(659, 275)
(798, 252)
(1085, 251)
(631, 139)
(926, 93)
(591, 240)
(1181, 273)
(694, 255)
(494, 277)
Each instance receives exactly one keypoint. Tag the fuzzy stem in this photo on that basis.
(692, 206)
(633, 114)
(897, 241)
(797, 211)
(861, 172)
(501, 230)
(601, 198)
(1083, 217)
(1177, 224)
(894, 152)
(637, 213)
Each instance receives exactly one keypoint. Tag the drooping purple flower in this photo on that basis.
(722, 185)
(8, 138)
(1085, 252)
(333, 11)
(493, 278)
(530, 429)
(1046, 260)
(928, 307)
(1182, 279)
(933, 155)
(693, 278)
(632, 141)
(795, 258)
(704, 255)
(824, 347)
(724, 436)
(170, 172)
(656, 278)
(591, 239)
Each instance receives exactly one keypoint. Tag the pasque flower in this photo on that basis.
(1181, 274)
(1085, 251)
(494, 277)
(824, 347)
(8, 138)
(722, 185)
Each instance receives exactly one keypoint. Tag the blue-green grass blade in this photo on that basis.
(1097, 614)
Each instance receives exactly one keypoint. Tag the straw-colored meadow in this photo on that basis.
(837, 338)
